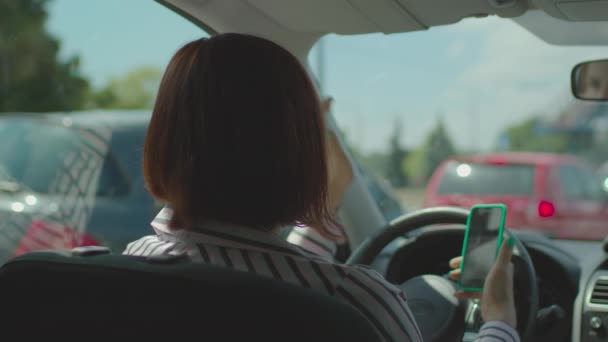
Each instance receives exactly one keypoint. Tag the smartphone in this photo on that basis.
(483, 237)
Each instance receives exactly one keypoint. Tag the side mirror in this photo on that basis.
(590, 80)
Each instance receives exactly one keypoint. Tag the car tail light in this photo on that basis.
(84, 239)
(546, 209)
(497, 162)
(42, 235)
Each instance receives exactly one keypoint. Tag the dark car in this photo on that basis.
(75, 180)
(68, 181)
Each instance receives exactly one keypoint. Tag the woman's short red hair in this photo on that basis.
(237, 135)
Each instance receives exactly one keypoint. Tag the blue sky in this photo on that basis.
(479, 76)
(115, 36)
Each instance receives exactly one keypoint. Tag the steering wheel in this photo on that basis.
(440, 316)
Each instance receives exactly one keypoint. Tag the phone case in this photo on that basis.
(501, 232)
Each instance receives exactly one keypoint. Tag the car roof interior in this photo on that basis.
(298, 24)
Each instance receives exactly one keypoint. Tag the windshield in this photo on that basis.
(482, 89)
(404, 103)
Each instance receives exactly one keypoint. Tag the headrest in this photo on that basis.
(65, 294)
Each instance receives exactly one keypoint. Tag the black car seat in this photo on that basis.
(91, 294)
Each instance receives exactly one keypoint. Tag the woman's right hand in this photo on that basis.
(497, 300)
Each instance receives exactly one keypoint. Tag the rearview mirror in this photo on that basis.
(590, 80)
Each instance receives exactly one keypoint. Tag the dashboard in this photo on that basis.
(572, 278)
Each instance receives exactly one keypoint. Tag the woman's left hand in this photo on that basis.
(455, 266)
(497, 299)
(455, 275)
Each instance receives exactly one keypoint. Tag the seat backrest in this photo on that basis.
(58, 295)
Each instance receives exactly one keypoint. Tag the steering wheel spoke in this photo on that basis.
(473, 321)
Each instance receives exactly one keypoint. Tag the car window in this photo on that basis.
(571, 182)
(78, 71)
(481, 179)
(592, 184)
(112, 180)
(579, 183)
(33, 154)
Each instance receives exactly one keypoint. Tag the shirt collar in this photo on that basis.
(226, 235)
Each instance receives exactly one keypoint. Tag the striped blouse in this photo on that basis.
(266, 254)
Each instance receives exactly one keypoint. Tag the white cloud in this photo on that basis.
(492, 74)
(456, 49)
(517, 75)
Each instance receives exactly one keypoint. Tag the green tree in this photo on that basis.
(414, 166)
(32, 76)
(375, 161)
(438, 146)
(395, 172)
(527, 136)
(136, 90)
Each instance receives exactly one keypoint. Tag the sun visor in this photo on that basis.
(563, 32)
(315, 16)
(575, 10)
(339, 16)
(585, 10)
(444, 12)
(390, 16)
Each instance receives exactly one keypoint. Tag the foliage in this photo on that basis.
(396, 154)
(528, 136)
(421, 163)
(376, 161)
(33, 78)
(136, 90)
(414, 166)
(386, 165)
(439, 147)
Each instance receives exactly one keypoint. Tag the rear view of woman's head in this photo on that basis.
(237, 135)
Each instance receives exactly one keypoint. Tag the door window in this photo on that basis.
(579, 183)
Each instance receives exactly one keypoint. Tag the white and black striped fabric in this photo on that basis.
(309, 239)
(266, 254)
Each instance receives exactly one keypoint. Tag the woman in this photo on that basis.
(236, 147)
(340, 176)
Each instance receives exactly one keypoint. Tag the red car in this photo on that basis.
(553, 193)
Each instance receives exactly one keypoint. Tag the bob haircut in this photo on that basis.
(237, 135)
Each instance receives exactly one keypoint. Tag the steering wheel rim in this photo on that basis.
(372, 246)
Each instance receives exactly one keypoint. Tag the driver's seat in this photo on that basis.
(73, 294)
